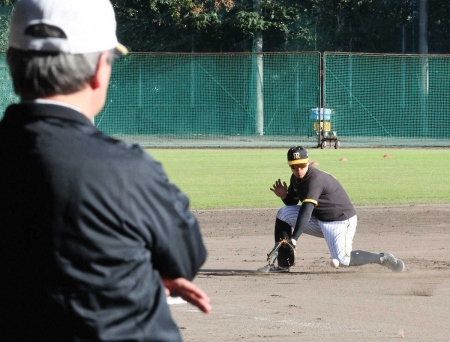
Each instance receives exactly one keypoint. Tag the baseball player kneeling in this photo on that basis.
(325, 211)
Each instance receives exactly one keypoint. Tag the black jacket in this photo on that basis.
(88, 224)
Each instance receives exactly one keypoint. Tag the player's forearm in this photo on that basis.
(303, 218)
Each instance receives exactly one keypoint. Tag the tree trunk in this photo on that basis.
(423, 26)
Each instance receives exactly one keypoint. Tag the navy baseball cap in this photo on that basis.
(297, 155)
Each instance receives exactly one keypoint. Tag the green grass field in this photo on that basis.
(241, 178)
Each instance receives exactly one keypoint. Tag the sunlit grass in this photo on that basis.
(241, 178)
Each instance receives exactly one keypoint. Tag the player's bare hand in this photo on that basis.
(279, 189)
(181, 287)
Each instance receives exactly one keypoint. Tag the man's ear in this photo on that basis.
(102, 67)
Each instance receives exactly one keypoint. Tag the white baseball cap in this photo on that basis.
(89, 26)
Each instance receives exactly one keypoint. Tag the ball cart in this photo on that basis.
(326, 137)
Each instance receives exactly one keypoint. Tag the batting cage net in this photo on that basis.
(212, 99)
(278, 99)
(388, 99)
(7, 95)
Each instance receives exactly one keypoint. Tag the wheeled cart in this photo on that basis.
(322, 127)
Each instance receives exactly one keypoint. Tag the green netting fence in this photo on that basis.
(248, 100)
(212, 99)
(388, 99)
(7, 95)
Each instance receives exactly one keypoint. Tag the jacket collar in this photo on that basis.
(31, 109)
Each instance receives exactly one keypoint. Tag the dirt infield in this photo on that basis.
(315, 302)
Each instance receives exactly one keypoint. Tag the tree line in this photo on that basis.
(373, 26)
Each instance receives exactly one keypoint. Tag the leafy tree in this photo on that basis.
(386, 26)
(216, 25)
(286, 25)
(439, 26)
(168, 25)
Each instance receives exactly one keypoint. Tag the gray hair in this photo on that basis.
(41, 74)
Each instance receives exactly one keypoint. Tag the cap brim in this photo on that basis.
(298, 161)
(121, 50)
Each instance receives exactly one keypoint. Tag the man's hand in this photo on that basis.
(279, 189)
(181, 287)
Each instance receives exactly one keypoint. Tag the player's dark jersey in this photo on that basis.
(331, 202)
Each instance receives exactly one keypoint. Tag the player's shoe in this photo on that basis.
(273, 269)
(391, 262)
(278, 269)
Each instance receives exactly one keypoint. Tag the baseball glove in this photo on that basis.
(284, 253)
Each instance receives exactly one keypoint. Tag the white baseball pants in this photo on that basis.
(338, 234)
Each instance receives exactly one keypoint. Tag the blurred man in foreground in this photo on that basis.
(93, 234)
